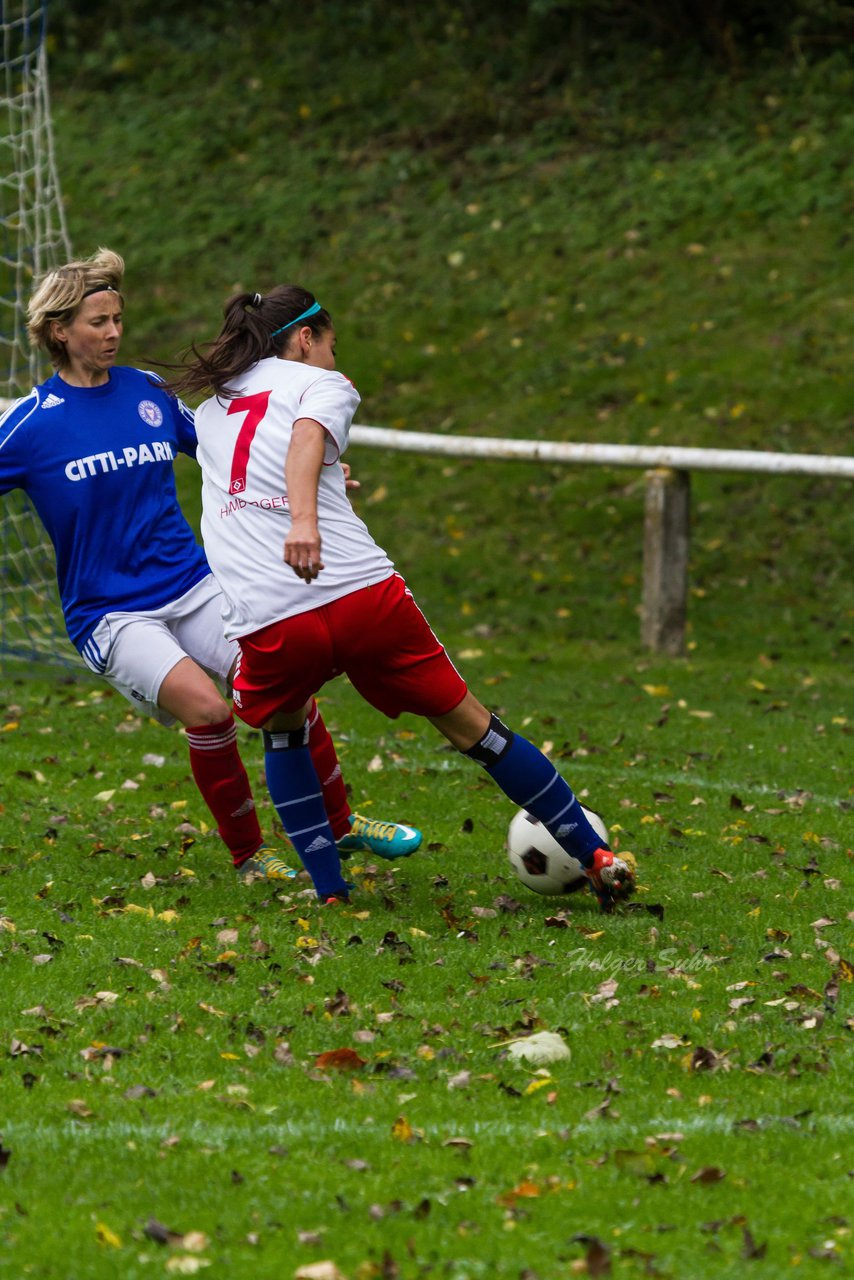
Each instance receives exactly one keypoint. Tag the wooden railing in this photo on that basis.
(667, 517)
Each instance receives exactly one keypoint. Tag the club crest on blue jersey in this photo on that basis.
(150, 413)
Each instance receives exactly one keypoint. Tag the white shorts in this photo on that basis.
(135, 652)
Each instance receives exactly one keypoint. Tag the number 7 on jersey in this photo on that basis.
(254, 407)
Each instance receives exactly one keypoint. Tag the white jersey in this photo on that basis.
(242, 446)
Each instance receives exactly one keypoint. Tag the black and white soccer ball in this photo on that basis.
(539, 861)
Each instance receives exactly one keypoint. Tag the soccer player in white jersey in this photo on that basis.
(310, 595)
(94, 448)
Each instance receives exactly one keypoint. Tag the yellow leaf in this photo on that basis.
(107, 1237)
(178, 804)
(418, 933)
(403, 1131)
(10, 725)
(657, 690)
(133, 910)
(230, 1057)
(169, 917)
(104, 796)
(538, 1084)
(208, 1008)
(306, 942)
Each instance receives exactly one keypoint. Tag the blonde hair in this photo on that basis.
(60, 292)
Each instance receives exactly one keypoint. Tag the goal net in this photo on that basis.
(34, 238)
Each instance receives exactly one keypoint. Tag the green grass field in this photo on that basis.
(165, 1024)
(651, 253)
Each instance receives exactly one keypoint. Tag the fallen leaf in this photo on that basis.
(79, 1108)
(670, 1041)
(750, 1249)
(339, 1060)
(319, 1271)
(598, 1256)
(209, 1008)
(709, 1173)
(195, 1242)
(543, 1046)
(107, 1237)
(403, 1131)
(523, 1191)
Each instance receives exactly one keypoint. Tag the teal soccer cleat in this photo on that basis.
(383, 839)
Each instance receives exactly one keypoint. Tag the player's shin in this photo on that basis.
(222, 780)
(325, 760)
(297, 796)
(532, 782)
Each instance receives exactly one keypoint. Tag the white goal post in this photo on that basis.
(34, 238)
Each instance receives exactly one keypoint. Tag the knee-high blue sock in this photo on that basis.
(532, 782)
(296, 793)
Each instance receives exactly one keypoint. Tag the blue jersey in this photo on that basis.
(97, 464)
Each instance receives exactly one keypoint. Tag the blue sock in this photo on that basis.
(532, 782)
(295, 791)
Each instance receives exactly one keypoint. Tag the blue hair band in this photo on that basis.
(312, 311)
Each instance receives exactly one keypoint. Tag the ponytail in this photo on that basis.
(254, 327)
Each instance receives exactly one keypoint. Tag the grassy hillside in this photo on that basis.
(642, 249)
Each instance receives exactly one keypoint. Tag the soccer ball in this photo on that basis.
(539, 861)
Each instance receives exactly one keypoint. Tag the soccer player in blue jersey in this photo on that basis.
(94, 447)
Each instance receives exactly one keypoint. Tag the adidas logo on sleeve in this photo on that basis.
(51, 401)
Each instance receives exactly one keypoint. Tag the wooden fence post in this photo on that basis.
(665, 560)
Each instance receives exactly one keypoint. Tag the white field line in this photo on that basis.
(316, 1131)
(572, 769)
(695, 783)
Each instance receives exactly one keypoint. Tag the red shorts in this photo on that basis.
(377, 636)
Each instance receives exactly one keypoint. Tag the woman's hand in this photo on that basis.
(348, 483)
(302, 549)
